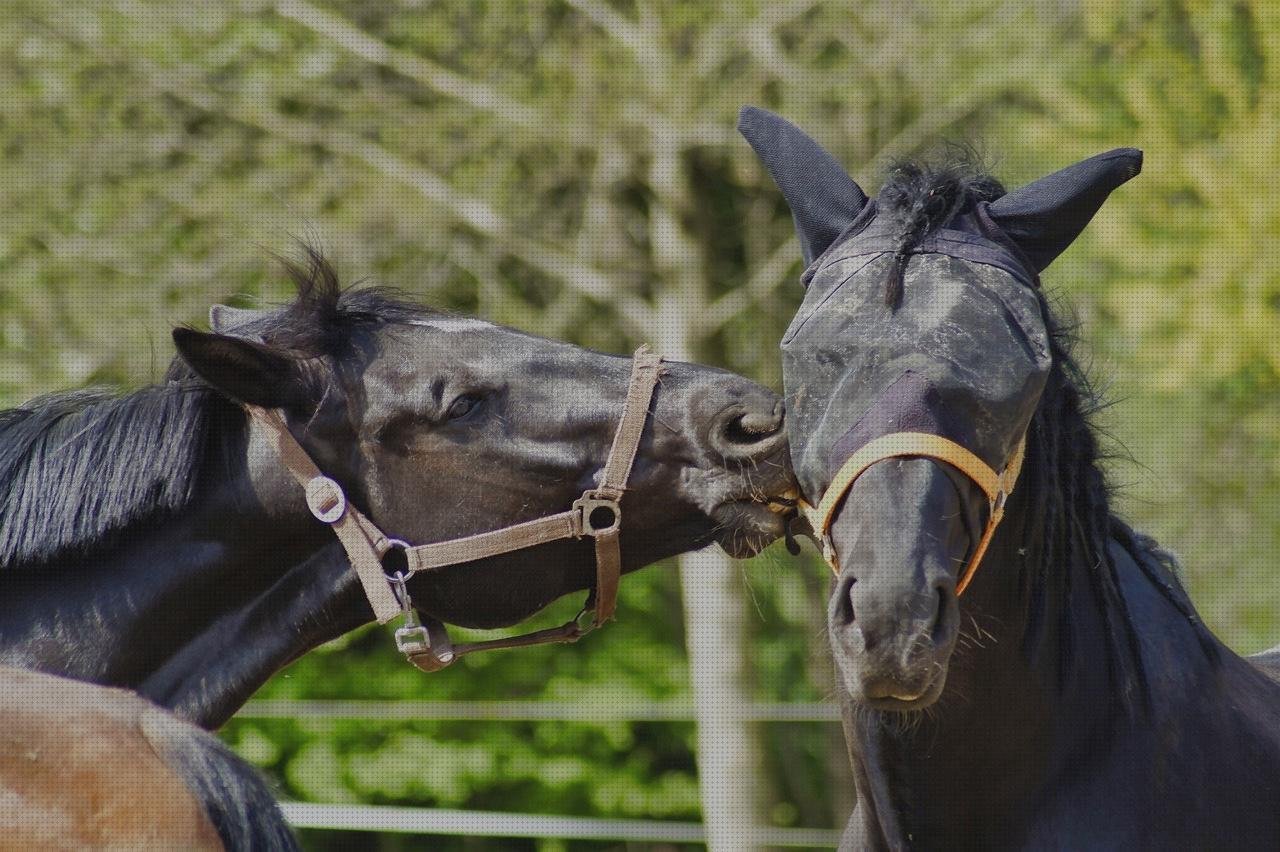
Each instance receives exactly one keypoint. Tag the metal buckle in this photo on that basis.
(412, 638)
(587, 505)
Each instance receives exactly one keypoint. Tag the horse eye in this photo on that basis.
(462, 406)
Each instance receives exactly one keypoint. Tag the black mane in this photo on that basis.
(1071, 523)
(77, 468)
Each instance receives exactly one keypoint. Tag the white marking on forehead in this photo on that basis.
(453, 323)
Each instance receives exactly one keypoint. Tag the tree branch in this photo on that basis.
(433, 76)
(475, 213)
(766, 278)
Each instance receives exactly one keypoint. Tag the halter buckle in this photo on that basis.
(412, 640)
(326, 500)
(597, 515)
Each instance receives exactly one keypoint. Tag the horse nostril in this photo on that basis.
(748, 434)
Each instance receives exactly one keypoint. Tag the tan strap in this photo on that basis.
(440, 652)
(635, 414)
(645, 371)
(608, 575)
(427, 557)
(363, 541)
(997, 486)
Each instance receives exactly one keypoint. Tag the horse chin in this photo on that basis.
(746, 527)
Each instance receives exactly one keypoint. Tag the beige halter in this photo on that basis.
(597, 513)
(997, 486)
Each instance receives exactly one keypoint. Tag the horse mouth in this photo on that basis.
(901, 698)
(747, 525)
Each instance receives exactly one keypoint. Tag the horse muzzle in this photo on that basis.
(894, 613)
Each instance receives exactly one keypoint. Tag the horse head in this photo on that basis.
(441, 426)
(912, 371)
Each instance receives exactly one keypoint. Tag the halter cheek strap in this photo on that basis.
(997, 486)
(596, 514)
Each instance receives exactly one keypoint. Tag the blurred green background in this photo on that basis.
(570, 168)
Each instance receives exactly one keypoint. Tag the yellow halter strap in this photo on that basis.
(997, 486)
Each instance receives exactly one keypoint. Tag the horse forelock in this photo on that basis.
(924, 196)
(326, 319)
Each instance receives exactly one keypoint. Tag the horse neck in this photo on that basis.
(198, 608)
(212, 672)
(1005, 723)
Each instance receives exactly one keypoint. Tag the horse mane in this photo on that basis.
(77, 468)
(1071, 521)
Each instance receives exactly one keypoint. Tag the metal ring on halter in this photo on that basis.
(386, 546)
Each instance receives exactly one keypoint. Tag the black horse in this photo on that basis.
(155, 541)
(1072, 698)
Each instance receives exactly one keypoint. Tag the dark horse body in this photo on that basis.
(155, 541)
(1072, 698)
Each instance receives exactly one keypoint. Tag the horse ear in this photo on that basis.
(244, 370)
(824, 200)
(225, 319)
(1046, 216)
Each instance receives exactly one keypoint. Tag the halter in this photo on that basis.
(597, 514)
(997, 486)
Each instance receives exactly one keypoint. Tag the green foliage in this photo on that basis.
(1177, 285)
(570, 168)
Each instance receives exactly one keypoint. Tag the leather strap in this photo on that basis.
(364, 542)
(997, 486)
(597, 513)
(440, 651)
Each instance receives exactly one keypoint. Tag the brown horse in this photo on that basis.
(87, 767)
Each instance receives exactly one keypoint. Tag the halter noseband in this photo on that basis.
(597, 513)
(997, 486)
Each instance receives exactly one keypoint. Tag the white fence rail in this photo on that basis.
(403, 820)
(494, 824)
(521, 711)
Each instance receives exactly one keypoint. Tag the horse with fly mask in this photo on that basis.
(939, 428)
